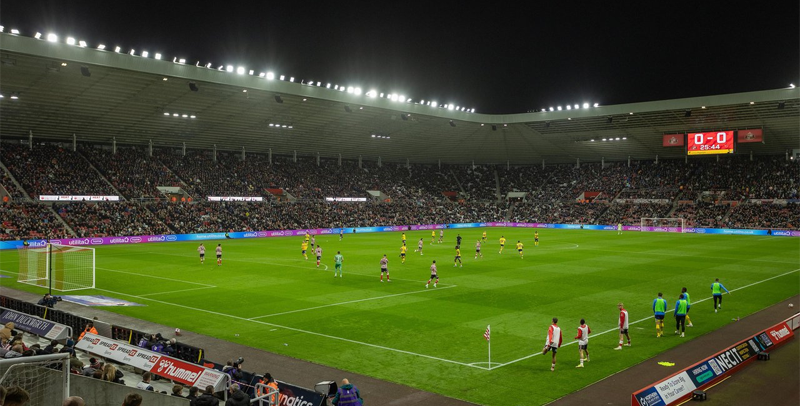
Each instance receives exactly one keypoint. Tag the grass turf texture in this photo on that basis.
(432, 339)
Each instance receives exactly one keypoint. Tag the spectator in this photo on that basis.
(133, 399)
(15, 351)
(237, 397)
(16, 396)
(51, 348)
(177, 390)
(207, 398)
(112, 374)
(347, 394)
(270, 383)
(73, 401)
(192, 393)
(145, 383)
(8, 331)
(48, 300)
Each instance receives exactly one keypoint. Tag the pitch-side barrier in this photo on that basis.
(680, 386)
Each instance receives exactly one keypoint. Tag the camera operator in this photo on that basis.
(49, 300)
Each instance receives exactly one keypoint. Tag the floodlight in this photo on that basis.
(2, 28)
(166, 114)
(52, 38)
(617, 138)
(401, 98)
(291, 79)
(320, 84)
(791, 85)
(262, 74)
(82, 44)
(208, 65)
(252, 72)
(174, 114)
(240, 70)
(271, 76)
(449, 106)
(70, 40)
(357, 91)
(244, 90)
(393, 97)
(182, 61)
(1, 96)
(472, 110)
(592, 140)
(597, 105)
(117, 49)
(38, 35)
(185, 116)
(229, 68)
(604, 139)
(328, 86)
(132, 52)
(559, 108)
(14, 96)
(624, 138)
(349, 89)
(282, 77)
(372, 93)
(145, 54)
(569, 107)
(15, 31)
(192, 116)
(586, 105)
(577, 107)
(158, 56)
(434, 104)
(551, 109)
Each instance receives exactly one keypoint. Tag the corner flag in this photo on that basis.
(486, 334)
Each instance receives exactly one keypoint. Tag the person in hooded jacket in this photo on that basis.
(207, 398)
(237, 397)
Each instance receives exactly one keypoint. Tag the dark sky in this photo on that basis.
(495, 57)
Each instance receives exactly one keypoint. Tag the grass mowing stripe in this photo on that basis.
(348, 302)
(297, 329)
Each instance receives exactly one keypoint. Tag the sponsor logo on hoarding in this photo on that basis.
(262, 233)
(136, 239)
(250, 235)
(276, 233)
(118, 240)
(85, 241)
(156, 238)
(94, 341)
(97, 240)
(325, 231)
(779, 334)
(650, 398)
(181, 372)
(729, 359)
(781, 233)
(172, 238)
(39, 244)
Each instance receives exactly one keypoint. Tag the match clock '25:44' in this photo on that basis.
(712, 142)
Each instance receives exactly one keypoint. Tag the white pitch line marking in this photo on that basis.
(299, 330)
(177, 291)
(157, 277)
(351, 301)
(646, 318)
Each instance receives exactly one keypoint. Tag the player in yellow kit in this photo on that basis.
(433, 236)
(457, 261)
(304, 246)
(536, 239)
(404, 238)
(307, 237)
(483, 238)
(519, 248)
(502, 243)
(403, 250)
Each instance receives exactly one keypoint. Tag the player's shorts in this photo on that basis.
(319, 257)
(202, 255)
(520, 251)
(502, 245)
(583, 347)
(384, 270)
(458, 258)
(477, 250)
(402, 254)
(304, 252)
(435, 276)
(659, 317)
(623, 331)
(419, 248)
(535, 240)
(219, 256)
(338, 266)
(552, 349)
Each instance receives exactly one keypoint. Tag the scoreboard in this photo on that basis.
(708, 143)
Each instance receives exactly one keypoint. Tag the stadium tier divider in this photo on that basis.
(183, 351)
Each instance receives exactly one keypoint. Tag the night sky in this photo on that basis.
(495, 57)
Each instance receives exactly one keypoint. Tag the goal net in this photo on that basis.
(43, 378)
(60, 267)
(674, 224)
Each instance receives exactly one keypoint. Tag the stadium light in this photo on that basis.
(117, 49)
(349, 89)
(14, 96)
(586, 105)
(791, 85)
(240, 71)
(569, 107)
(291, 79)
(145, 54)
(82, 44)
(14, 31)
(166, 114)
(271, 76)
(229, 68)
(604, 139)
(281, 77)
(2, 28)
(70, 40)
(551, 109)
(357, 91)
(559, 108)
(597, 105)
(434, 104)
(208, 65)
(38, 35)
(450, 107)
(577, 107)
(52, 37)
(158, 56)
(192, 116)
(132, 52)
(262, 74)
(372, 93)
(182, 61)
(252, 72)
(401, 98)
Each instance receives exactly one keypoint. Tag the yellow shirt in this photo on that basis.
(307, 237)
(535, 235)
(502, 241)
(484, 234)
(404, 236)
(519, 245)
(305, 246)
(433, 233)
(403, 249)
(458, 252)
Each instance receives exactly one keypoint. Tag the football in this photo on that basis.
(177, 331)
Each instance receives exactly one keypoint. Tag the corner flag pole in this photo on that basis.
(487, 335)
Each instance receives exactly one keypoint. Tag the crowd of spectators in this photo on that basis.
(50, 169)
(766, 216)
(632, 213)
(556, 212)
(131, 171)
(702, 214)
(105, 219)
(26, 221)
(13, 191)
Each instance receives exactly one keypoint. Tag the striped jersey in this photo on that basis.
(433, 269)
(583, 334)
(623, 319)
(553, 336)
(201, 249)
(384, 263)
(318, 251)
(219, 250)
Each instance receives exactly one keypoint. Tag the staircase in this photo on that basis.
(103, 177)
(19, 187)
(61, 220)
(497, 185)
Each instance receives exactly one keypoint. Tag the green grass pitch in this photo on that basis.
(432, 338)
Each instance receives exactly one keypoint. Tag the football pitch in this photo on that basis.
(265, 295)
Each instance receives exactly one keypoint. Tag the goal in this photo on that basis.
(43, 378)
(675, 224)
(57, 267)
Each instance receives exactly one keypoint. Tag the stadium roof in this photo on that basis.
(136, 99)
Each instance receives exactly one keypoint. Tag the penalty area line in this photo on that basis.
(380, 347)
(646, 318)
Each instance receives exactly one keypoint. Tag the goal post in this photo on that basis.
(57, 267)
(663, 224)
(44, 378)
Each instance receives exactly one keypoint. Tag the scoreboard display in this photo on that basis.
(708, 143)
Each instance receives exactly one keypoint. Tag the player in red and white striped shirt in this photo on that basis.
(219, 254)
(583, 341)
(434, 275)
(553, 341)
(623, 326)
(202, 250)
(318, 252)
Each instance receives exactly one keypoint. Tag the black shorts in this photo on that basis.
(402, 254)
(477, 250)
(319, 257)
(659, 317)
(435, 277)
(304, 251)
(219, 256)
(384, 270)
(458, 258)
(623, 331)
(202, 255)
(553, 349)
(583, 347)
